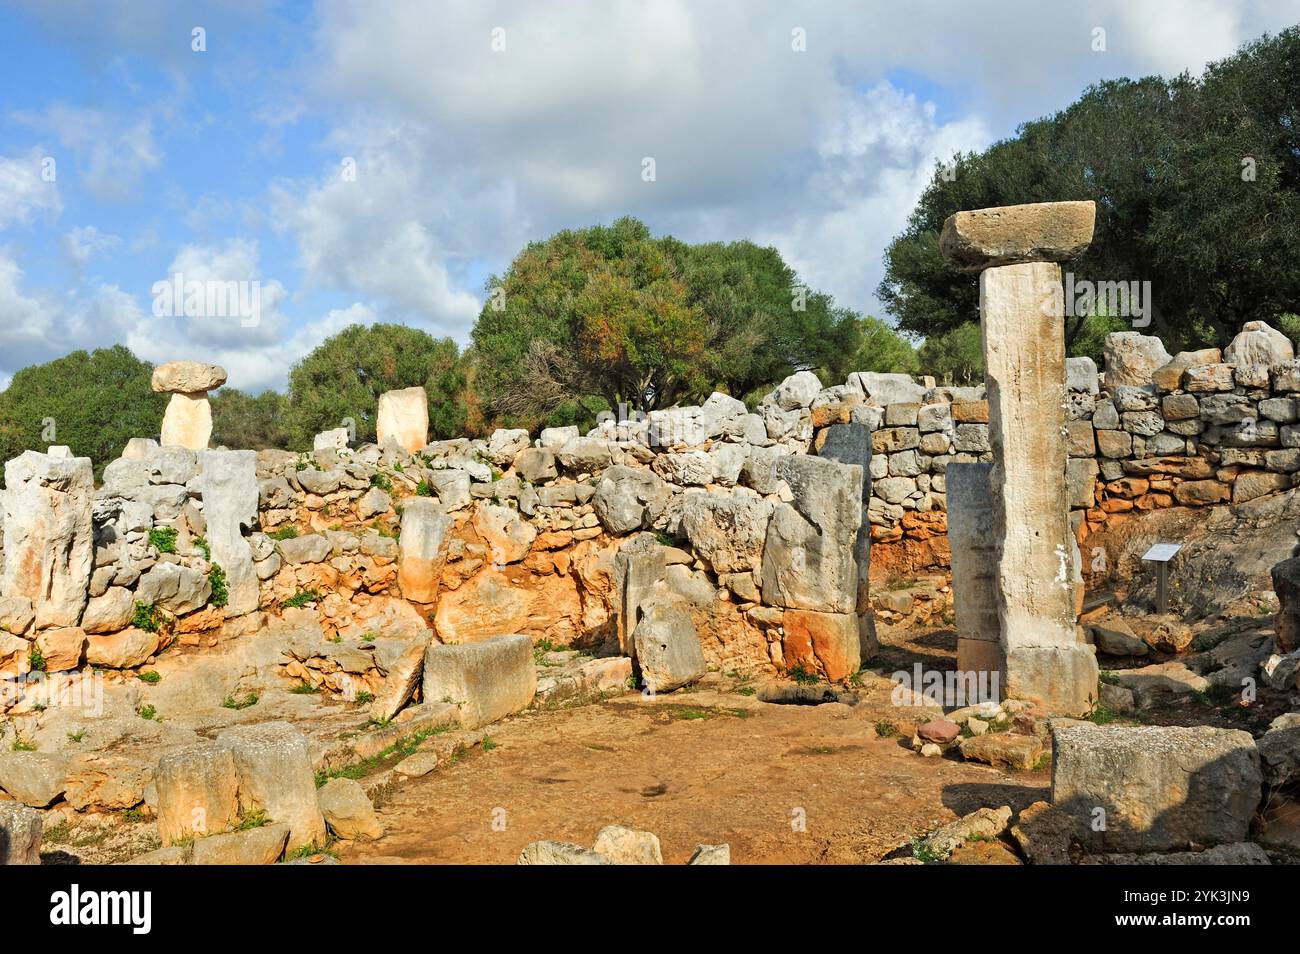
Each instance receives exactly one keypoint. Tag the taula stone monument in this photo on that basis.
(1016, 249)
(188, 419)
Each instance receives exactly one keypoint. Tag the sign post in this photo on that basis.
(1160, 554)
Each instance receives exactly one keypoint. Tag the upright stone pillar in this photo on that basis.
(1022, 322)
(48, 535)
(851, 444)
(974, 568)
(228, 485)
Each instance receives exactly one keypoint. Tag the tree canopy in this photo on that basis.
(240, 420)
(609, 314)
(92, 402)
(1197, 185)
(344, 376)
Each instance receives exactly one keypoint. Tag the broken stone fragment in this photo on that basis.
(1008, 235)
(347, 810)
(559, 853)
(711, 855)
(488, 679)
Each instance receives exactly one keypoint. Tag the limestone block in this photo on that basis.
(488, 679)
(228, 485)
(1161, 788)
(188, 377)
(1132, 358)
(667, 647)
(198, 792)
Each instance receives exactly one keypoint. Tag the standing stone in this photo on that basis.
(851, 444)
(48, 535)
(421, 549)
(639, 564)
(404, 418)
(228, 485)
(808, 554)
(1022, 322)
(1286, 584)
(974, 567)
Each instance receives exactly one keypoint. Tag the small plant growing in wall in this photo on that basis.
(300, 599)
(220, 588)
(163, 539)
(148, 712)
(284, 533)
(381, 481)
(146, 617)
(150, 678)
(422, 489)
(36, 659)
(801, 675)
(202, 544)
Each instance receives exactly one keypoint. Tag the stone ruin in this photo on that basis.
(455, 583)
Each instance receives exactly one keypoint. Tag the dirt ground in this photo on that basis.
(705, 767)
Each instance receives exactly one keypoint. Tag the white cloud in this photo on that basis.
(84, 242)
(24, 191)
(110, 153)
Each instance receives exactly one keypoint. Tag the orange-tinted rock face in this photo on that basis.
(822, 642)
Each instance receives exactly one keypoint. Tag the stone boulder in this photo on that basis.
(124, 650)
(177, 589)
(726, 531)
(21, 829)
(403, 418)
(559, 853)
(1258, 346)
(883, 389)
(1286, 584)
(1158, 788)
(505, 444)
(1008, 235)
(797, 391)
(711, 855)
(274, 767)
(488, 679)
(256, 846)
(628, 846)
(629, 498)
(667, 647)
(48, 535)
(347, 810)
(1132, 358)
(508, 536)
(197, 791)
(33, 778)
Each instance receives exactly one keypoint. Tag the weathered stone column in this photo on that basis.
(1022, 320)
(851, 444)
(48, 535)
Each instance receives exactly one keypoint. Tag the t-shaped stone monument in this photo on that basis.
(1016, 250)
(187, 421)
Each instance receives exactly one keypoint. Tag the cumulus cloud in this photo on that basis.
(111, 153)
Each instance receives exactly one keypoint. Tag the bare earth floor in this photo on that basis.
(705, 767)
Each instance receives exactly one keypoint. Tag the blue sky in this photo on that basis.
(228, 163)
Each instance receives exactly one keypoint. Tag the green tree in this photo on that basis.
(92, 402)
(240, 420)
(1197, 185)
(884, 349)
(955, 357)
(609, 314)
(344, 376)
